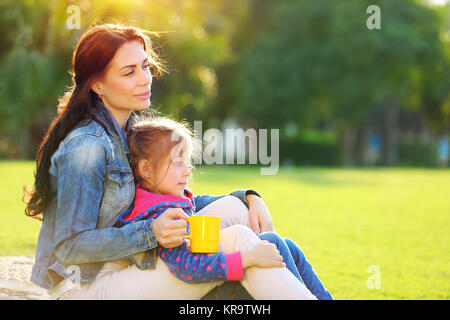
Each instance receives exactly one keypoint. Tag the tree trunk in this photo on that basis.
(346, 143)
(390, 133)
(361, 144)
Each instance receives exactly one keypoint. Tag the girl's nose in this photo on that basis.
(187, 170)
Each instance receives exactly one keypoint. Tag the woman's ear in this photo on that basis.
(145, 170)
(97, 88)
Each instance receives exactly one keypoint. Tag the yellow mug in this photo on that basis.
(204, 234)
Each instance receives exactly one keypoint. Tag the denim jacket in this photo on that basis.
(91, 183)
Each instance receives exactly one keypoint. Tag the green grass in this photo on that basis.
(18, 233)
(345, 220)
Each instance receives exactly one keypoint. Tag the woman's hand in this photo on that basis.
(259, 216)
(264, 255)
(168, 232)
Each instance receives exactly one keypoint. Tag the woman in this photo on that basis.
(83, 177)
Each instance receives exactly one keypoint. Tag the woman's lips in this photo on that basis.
(144, 96)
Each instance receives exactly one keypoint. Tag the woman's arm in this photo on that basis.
(81, 178)
(259, 216)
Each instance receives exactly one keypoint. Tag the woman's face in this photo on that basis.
(126, 85)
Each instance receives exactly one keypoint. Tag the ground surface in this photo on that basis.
(14, 279)
(369, 233)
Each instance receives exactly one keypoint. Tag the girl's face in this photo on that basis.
(126, 85)
(171, 177)
(175, 180)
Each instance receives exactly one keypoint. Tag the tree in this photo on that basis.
(36, 53)
(318, 60)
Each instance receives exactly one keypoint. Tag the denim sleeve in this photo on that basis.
(202, 201)
(81, 177)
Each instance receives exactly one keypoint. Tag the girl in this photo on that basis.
(84, 181)
(160, 159)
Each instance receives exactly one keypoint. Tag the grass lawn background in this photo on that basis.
(345, 220)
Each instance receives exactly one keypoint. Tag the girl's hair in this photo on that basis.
(95, 49)
(157, 138)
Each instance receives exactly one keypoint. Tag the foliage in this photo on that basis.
(317, 59)
(417, 153)
(266, 63)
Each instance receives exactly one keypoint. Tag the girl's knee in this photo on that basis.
(241, 230)
(271, 237)
(289, 242)
(232, 201)
(294, 248)
(237, 204)
(236, 211)
(239, 234)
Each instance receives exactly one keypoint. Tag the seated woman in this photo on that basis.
(84, 181)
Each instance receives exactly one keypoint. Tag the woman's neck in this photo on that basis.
(121, 116)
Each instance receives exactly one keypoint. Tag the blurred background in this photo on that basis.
(340, 93)
(363, 117)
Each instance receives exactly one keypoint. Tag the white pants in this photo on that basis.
(123, 280)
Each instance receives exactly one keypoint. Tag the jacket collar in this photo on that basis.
(102, 114)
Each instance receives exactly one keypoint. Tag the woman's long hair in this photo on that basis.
(95, 49)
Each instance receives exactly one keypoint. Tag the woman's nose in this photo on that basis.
(145, 78)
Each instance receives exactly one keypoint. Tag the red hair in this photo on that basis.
(93, 52)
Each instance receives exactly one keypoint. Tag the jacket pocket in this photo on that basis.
(118, 196)
(118, 175)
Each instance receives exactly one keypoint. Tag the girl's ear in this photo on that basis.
(145, 170)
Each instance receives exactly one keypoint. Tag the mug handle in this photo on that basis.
(188, 236)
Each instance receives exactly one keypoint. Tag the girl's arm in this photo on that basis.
(200, 267)
(81, 175)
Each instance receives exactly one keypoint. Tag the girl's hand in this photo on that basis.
(168, 232)
(264, 255)
(259, 216)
